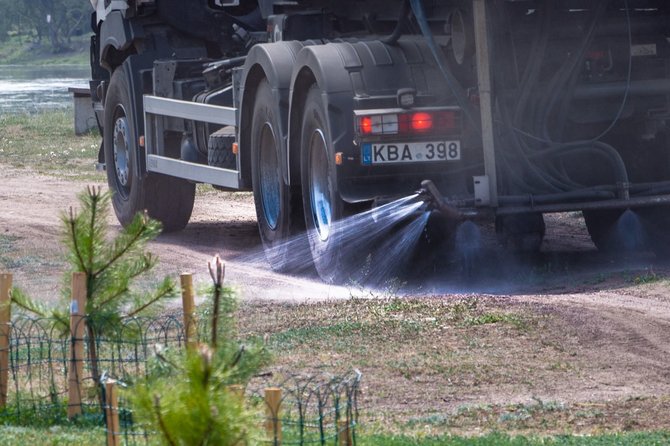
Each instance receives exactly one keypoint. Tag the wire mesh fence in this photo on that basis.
(43, 364)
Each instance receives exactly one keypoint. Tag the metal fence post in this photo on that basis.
(187, 297)
(77, 330)
(273, 424)
(5, 320)
(112, 414)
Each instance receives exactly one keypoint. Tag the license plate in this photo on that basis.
(411, 152)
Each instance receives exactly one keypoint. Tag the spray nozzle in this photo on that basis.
(430, 195)
(435, 202)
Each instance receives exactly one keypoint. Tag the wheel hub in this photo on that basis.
(121, 150)
(319, 190)
(269, 176)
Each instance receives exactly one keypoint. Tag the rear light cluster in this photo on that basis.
(411, 123)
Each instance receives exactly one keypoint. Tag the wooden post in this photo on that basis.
(344, 433)
(77, 330)
(5, 320)
(273, 405)
(112, 414)
(187, 298)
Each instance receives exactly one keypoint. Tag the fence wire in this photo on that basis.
(315, 409)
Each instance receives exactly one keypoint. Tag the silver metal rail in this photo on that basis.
(156, 108)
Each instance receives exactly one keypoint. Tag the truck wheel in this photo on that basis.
(321, 200)
(278, 208)
(521, 233)
(167, 199)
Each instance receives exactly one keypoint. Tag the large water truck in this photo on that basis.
(493, 110)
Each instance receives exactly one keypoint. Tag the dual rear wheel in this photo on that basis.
(298, 225)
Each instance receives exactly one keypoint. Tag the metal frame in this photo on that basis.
(155, 108)
(485, 102)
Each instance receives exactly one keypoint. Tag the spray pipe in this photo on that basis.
(434, 201)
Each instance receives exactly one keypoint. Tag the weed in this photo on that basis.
(649, 276)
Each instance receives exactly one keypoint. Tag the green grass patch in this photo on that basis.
(53, 436)
(46, 142)
(498, 439)
(24, 49)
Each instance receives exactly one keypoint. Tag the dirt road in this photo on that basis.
(612, 314)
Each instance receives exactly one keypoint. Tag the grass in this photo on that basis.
(46, 143)
(24, 50)
(499, 439)
(67, 435)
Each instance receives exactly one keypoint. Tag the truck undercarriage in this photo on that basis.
(510, 109)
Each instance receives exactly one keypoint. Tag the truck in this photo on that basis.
(494, 110)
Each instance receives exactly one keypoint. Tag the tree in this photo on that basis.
(110, 267)
(54, 20)
(198, 399)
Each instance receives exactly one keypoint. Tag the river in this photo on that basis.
(30, 89)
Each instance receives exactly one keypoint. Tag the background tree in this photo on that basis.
(52, 21)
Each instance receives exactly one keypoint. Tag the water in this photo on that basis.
(379, 242)
(629, 233)
(30, 89)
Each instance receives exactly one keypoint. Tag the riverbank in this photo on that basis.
(22, 50)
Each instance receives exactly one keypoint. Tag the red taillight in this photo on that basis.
(411, 123)
(421, 122)
(366, 125)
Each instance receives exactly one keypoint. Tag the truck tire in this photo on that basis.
(220, 149)
(321, 199)
(278, 207)
(167, 199)
(521, 233)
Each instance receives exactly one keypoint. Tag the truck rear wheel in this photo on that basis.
(278, 207)
(167, 199)
(321, 200)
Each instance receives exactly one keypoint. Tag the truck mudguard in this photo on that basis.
(274, 62)
(119, 34)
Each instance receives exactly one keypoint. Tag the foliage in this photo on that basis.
(198, 398)
(55, 21)
(110, 266)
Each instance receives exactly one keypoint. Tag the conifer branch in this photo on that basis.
(161, 423)
(160, 295)
(123, 251)
(91, 235)
(75, 246)
(110, 299)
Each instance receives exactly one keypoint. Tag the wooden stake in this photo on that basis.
(77, 330)
(273, 405)
(187, 297)
(5, 320)
(344, 433)
(112, 414)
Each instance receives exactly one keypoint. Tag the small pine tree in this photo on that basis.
(110, 266)
(197, 398)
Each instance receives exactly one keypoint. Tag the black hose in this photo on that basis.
(455, 86)
(400, 26)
